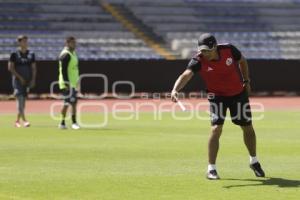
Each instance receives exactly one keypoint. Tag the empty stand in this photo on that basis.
(48, 22)
(262, 29)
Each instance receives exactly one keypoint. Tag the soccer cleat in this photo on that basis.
(17, 124)
(212, 175)
(258, 171)
(75, 126)
(62, 126)
(26, 124)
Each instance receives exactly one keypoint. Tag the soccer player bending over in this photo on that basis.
(225, 73)
(68, 80)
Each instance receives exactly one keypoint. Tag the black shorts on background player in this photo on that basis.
(69, 96)
(238, 106)
(19, 89)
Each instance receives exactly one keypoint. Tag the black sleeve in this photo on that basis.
(194, 65)
(12, 57)
(237, 55)
(65, 59)
(33, 58)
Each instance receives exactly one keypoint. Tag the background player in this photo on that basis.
(23, 69)
(68, 80)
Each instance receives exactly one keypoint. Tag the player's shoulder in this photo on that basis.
(13, 56)
(31, 55)
(225, 46)
(196, 57)
(13, 53)
(30, 52)
(64, 56)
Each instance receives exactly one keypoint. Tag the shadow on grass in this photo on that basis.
(279, 182)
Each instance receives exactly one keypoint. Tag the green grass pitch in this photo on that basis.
(146, 159)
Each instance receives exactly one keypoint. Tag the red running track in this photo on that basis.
(146, 105)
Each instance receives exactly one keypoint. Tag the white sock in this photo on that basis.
(211, 167)
(253, 160)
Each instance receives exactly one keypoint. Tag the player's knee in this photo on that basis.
(20, 104)
(217, 129)
(248, 129)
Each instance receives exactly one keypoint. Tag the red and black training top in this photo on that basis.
(222, 77)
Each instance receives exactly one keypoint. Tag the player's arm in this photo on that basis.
(12, 69)
(245, 73)
(193, 67)
(243, 65)
(182, 80)
(34, 71)
(244, 69)
(65, 59)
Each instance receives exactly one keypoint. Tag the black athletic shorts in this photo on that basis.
(69, 96)
(238, 106)
(19, 89)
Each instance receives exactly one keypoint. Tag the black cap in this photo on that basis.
(206, 41)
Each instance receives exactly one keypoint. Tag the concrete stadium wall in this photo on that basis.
(159, 75)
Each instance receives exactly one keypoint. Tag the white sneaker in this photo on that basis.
(17, 124)
(75, 126)
(212, 175)
(62, 126)
(26, 124)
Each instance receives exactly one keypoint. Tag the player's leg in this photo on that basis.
(240, 112)
(213, 143)
(74, 113)
(20, 93)
(249, 139)
(241, 115)
(74, 109)
(218, 114)
(250, 142)
(21, 101)
(213, 148)
(20, 110)
(64, 109)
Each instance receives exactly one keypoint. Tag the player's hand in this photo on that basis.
(23, 81)
(247, 87)
(32, 84)
(174, 96)
(67, 87)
